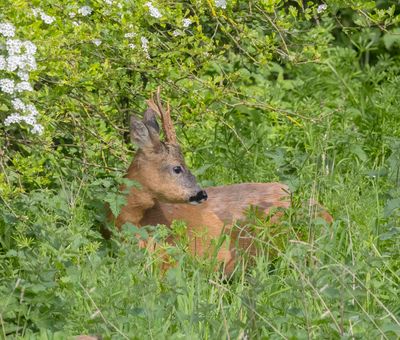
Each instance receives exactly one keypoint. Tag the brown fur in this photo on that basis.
(163, 197)
(206, 222)
(210, 220)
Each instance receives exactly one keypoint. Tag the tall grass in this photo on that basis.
(327, 125)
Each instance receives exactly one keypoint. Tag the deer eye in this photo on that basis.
(177, 169)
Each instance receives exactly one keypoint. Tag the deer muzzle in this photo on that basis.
(200, 197)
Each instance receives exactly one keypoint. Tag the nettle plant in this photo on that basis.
(17, 60)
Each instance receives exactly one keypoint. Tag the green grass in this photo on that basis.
(337, 281)
(311, 101)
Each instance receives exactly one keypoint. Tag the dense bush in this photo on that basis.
(301, 92)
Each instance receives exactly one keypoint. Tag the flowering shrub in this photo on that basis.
(154, 12)
(38, 13)
(303, 92)
(18, 61)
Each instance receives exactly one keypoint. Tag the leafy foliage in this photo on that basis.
(261, 91)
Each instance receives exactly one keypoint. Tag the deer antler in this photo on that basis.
(166, 121)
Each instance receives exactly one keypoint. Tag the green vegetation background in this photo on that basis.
(261, 91)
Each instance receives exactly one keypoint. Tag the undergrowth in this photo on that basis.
(260, 92)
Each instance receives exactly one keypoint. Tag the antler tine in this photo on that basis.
(166, 121)
(168, 126)
(152, 105)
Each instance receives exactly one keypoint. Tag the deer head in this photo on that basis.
(160, 166)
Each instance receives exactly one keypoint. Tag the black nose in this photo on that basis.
(201, 196)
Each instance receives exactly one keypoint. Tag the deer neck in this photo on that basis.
(138, 199)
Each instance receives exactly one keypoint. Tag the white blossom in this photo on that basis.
(32, 109)
(145, 46)
(7, 30)
(186, 22)
(18, 104)
(13, 62)
(13, 46)
(30, 47)
(24, 62)
(20, 55)
(108, 2)
(36, 11)
(13, 118)
(154, 12)
(29, 119)
(72, 15)
(48, 19)
(132, 46)
(7, 85)
(97, 42)
(3, 63)
(129, 35)
(76, 23)
(220, 3)
(23, 75)
(23, 86)
(20, 59)
(321, 8)
(85, 11)
(28, 62)
(37, 128)
(177, 33)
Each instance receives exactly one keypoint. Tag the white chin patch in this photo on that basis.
(197, 202)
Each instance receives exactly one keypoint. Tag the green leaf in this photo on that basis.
(392, 38)
(391, 206)
(359, 152)
(116, 201)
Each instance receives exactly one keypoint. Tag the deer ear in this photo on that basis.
(150, 120)
(140, 135)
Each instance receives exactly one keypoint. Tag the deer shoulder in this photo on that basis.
(168, 191)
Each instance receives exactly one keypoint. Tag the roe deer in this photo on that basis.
(167, 188)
